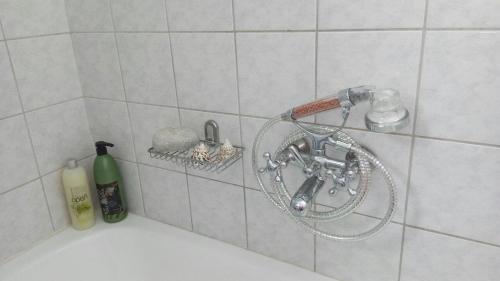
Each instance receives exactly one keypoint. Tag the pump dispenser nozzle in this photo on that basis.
(109, 184)
(101, 147)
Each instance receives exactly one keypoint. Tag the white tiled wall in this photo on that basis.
(144, 65)
(43, 121)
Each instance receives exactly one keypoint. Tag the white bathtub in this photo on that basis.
(139, 249)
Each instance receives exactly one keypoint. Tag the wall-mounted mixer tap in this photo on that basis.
(386, 115)
(307, 149)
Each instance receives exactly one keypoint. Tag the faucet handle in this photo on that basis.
(271, 165)
(296, 155)
(341, 181)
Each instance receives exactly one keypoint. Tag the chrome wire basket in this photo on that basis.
(213, 164)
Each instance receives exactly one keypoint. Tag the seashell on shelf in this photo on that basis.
(226, 151)
(200, 153)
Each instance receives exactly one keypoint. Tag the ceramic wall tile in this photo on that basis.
(371, 14)
(431, 256)
(448, 195)
(36, 17)
(166, 196)
(463, 14)
(23, 226)
(10, 104)
(139, 15)
(60, 132)
(200, 15)
(58, 208)
(218, 210)
(205, 71)
(275, 15)
(147, 68)
(98, 65)
(275, 71)
(458, 99)
(45, 69)
(89, 15)
(376, 258)
(109, 121)
(17, 162)
(273, 234)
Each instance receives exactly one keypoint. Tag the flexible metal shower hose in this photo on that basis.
(282, 198)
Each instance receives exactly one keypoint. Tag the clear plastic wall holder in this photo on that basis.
(211, 141)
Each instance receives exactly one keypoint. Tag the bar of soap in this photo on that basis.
(174, 139)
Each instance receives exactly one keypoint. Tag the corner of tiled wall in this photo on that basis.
(43, 121)
(144, 65)
(149, 64)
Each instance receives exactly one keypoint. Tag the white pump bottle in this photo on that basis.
(78, 196)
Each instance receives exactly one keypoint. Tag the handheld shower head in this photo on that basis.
(387, 113)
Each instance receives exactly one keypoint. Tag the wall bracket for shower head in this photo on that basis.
(307, 149)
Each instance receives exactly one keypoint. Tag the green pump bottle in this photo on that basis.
(109, 184)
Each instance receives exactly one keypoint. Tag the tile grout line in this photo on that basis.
(75, 59)
(413, 138)
(37, 36)
(77, 68)
(452, 235)
(425, 229)
(267, 118)
(42, 107)
(189, 199)
(389, 29)
(178, 107)
(257, 190)
(189, 174)
(35, 158)
(361, 214)
(20, 185)
(445, 29)
(126, 104)
(39, 177)
(10, 116)
(239, 118)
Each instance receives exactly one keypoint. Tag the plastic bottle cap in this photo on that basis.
(72, 163)
(101, 147)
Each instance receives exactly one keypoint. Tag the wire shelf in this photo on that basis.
(214, 164)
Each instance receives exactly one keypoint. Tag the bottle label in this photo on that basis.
(80, 201)
(110, 199)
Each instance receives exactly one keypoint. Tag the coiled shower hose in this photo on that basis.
(282, 198)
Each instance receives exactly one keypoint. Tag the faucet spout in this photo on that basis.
(301, 200)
